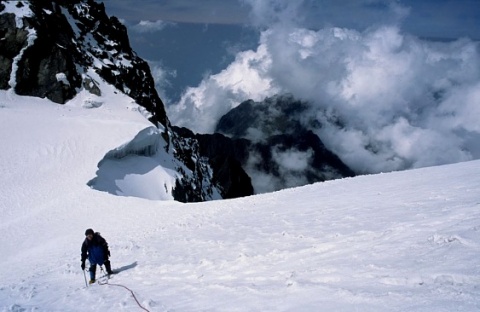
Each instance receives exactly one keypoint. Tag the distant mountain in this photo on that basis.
(281, 149)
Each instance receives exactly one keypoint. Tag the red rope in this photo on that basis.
(131, 291)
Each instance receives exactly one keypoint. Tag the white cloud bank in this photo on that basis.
(149, 26)
(386, 100)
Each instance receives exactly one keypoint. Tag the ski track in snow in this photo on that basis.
(403, 241)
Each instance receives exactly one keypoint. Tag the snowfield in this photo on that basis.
(401, 241)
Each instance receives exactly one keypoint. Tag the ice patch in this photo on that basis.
(137, 169)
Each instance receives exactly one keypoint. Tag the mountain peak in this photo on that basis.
(48, 47)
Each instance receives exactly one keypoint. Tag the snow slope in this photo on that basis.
(402, 241)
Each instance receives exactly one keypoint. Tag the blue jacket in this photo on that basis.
(96, 250)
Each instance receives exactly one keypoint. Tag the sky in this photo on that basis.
(401, 241)
(428, 18)
(401, 77)
(186, 40)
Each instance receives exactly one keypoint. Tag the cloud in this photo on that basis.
(262, 182)
(386, 100)
(162, 77)
(314, 14)
(293, 159)
(291, 167)
(427, 18)
(181, 11)
(245, 78)
(265, 13)
(149, 27)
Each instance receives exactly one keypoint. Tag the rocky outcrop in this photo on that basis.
(61, 40)
(48, 67)
(222, 154)
(13, 40)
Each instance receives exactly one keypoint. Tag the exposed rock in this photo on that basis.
(12, 40)
(91, 86)
(279, 136)
(279, 114)
(224, 156)
(71, 36)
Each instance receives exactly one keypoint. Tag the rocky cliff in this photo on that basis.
(52, 44)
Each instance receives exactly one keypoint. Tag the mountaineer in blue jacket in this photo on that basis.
(95, 247)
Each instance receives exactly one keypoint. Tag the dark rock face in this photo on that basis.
(48, 56)
(279, 114)
(66, 38)
(13, 40)
(224, 157)
(279, 136)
